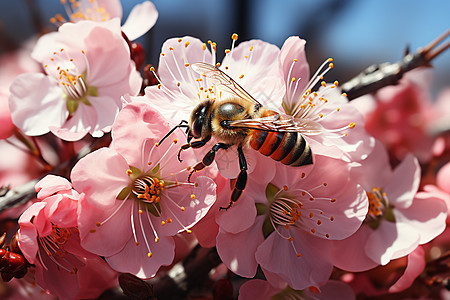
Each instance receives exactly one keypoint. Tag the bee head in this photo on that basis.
(198, 119)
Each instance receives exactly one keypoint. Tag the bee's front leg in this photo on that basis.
(208, 158)
(241, 180)
(194, 144)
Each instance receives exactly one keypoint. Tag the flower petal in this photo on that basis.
(141, 18)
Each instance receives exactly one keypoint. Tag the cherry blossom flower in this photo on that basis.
(399, 218)
(400, 115)
(263, 290)
(181, 88)
(137, 197)
(286, 220)
(141, 18)
(330, 118)
(82, 89)
(48, 238)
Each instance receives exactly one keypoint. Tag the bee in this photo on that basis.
(239, 119)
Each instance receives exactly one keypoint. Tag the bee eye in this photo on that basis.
(197, 128)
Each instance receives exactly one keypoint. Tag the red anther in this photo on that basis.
(137, 54)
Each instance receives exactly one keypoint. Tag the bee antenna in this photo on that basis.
(183, 123)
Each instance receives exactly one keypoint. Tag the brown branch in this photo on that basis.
(376, 77)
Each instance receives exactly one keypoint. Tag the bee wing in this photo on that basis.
(279, 123)
(225, 81)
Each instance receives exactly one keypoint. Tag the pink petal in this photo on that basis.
(59, 282)
(313, 267)
(241, 260)
(294, 49)
(101, 175)
(172, 69)
(405, 183)
(134, 259)
(112, 7)
(390, 241)
(257, 289)
(426, 214)
(331, 289)
(110, 238)
(349, 254)
(36, 102)
(194, 209)
(52, 184)
(266, 87)
(95, 278)
(141, 18)
(442, 178)
(416, 265)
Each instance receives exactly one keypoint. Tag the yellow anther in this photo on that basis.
(156, 144)
(163, 223)
(298, 255)
(241, 76)
(234, 37)
(331, 65)
(175, 141)
(320, 115)
(293, 79)
(352, 125)
(98, 224)
(188, 231)
(186, 65)
(336, 83)
(204, 46)
(152, 69)
(333, 200)
(129, 172)
(171, 48)
(227, 51)
(186, 44)
(149, 254)
(156, 239)
(92, 231)
(285, 187)
(182, 208)
(323, 83)
(192, 196)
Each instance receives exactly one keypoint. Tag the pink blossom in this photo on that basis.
(141, 18)
(263, 290)
(181, 88)
(13, 64)
(287, 218)
(137, 197)
(82, 89)
(402, 114)
(48, 238)
(330, 120)
(399, 218)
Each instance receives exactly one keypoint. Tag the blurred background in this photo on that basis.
(355, 33)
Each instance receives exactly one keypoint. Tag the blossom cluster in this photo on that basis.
(302, 192)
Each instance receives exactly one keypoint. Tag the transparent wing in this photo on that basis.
(279, 123)
(224, 80)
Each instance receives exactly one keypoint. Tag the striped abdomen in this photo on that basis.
(290, 148)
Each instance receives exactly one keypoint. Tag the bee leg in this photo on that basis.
(208, 158)
(194, 144)
(241, 180)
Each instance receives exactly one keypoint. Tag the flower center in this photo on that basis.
(53, 245)
(73, 85)
(148, 188)
(379, 208)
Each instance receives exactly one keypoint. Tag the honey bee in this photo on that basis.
(239, 119)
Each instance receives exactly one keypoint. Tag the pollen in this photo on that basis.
(156, 144)
(325, 184)
(333, 200)
(295, 60)
(171, 48)
(352, 125)
(331, 218)
(241, 76)
(251, 48)
(169, 220)
(234, 37)
(320, 115)
(98, 224)
(186, 44)
(336, 83)
(156, 239)
(344, 94)
(175, 141)
(298, 255)
(193, 196)
(182, 208)
(149, 254)
(188, 231)
(204, 46)
(196, 184)
(178, 83)
(323, 83)
(293, 79)
(285, 187)
(92, 230)
(227, 51)
(331, 65)
(163, 222)
(180, 40)
(186, 65)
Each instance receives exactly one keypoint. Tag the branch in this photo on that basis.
(376, 77)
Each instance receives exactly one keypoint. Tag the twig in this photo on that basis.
(376, 77)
